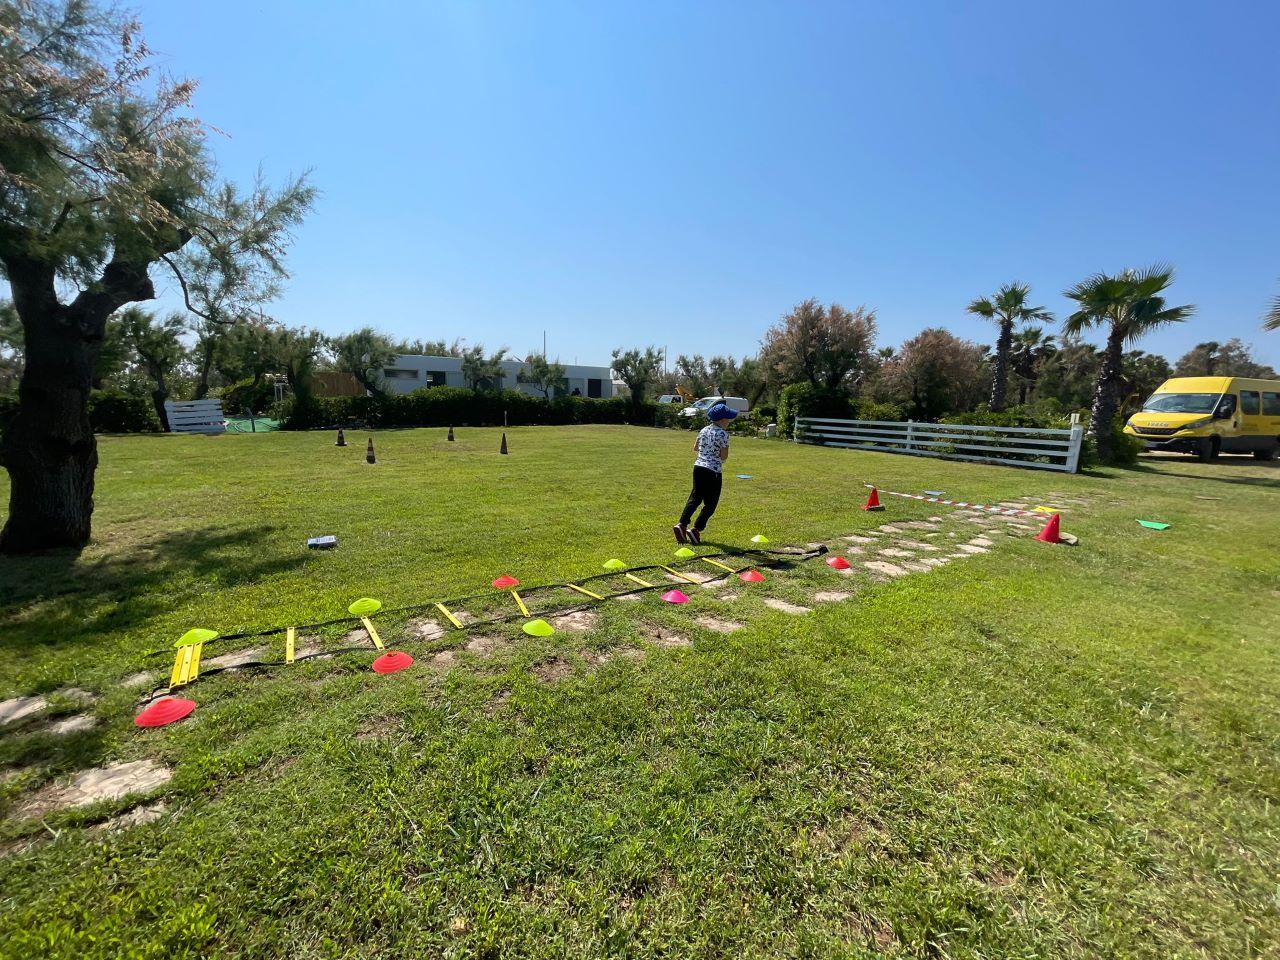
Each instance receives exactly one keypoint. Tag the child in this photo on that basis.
(712, 448)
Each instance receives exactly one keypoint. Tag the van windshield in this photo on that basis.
(1181, 403)
(706, 403)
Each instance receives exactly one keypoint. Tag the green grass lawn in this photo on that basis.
(1034, 751)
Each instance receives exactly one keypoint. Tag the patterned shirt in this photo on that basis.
(711, 441)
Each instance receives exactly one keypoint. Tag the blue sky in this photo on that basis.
(682, 173)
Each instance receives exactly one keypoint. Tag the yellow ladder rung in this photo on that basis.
(290, 638)
(715, 564)
(643, 583)
(178, 677)
(677, 573)
(186, 665)
(584, 590)
(373, 634)
(520, 603)
(452, 619)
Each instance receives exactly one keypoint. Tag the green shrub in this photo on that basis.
(111, 411)
(806, 400)
(244, 394)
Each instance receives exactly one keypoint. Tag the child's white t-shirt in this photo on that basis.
(711, 441)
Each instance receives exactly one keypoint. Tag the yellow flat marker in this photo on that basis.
(290, 637)
(584, 590)
(195, 661)
(520, 603)
(715, 564)
(677, 573)
(373, 634)
(452, 619)
(633, 577)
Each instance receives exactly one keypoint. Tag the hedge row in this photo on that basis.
(110, 411)
(456, 406)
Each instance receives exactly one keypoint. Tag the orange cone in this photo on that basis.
(503, 449)
(873, 501)
(342, 441)
(368, 454)
(1050, 532)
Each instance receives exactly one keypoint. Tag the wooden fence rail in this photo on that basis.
(1040, 448)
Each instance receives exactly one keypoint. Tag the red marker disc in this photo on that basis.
(675, 596)
(751, 576)
(505, 582)
(838, 563)
(391, 662)
(164, 711)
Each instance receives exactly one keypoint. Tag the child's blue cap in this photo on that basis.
(721, 412)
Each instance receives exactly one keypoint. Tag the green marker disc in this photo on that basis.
(1154, 525)
(614, 564)
(685, 552)
(538, 628)
(759, 538)
(194, 636)
(364, 607)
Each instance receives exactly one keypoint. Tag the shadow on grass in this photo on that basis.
(1226, 469)
(58, 598)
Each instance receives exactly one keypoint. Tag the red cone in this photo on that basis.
(838, 563)
(342, 441)
(506, 582)
(1050, 532)
(368, 454)
(751, 576)
(391, 662)
(873, 501)
(164, 711)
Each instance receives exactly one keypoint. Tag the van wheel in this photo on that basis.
(1208, 448)
(1268, 454)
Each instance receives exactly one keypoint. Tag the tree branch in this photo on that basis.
(186, 293)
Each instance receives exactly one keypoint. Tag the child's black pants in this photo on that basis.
(706, 491)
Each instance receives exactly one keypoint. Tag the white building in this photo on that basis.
(410, 373)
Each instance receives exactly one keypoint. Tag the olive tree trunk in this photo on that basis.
(49, 449)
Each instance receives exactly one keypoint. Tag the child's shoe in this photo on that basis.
(694, 535)
(682, 535)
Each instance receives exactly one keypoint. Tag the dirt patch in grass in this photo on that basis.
(143, 813)
(101, 783)
(485, 645)
(425, 629)
(665, 637)
(830, 596)
(553, 670)
(444, 660)
(142, 678)
(781, 605)
(694, 575)
(578, 621)
(716, 624)
(379, 728)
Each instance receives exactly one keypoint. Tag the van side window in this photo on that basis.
(1270, 404)
(1250, 403)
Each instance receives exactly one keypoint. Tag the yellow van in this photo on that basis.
(1211, 415)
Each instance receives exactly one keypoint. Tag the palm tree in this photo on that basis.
(1272, 320)
(1006, 308)
(1027, 355)
(1130, 305)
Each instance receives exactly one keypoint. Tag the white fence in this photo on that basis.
(1043, 449)
(195, 416)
